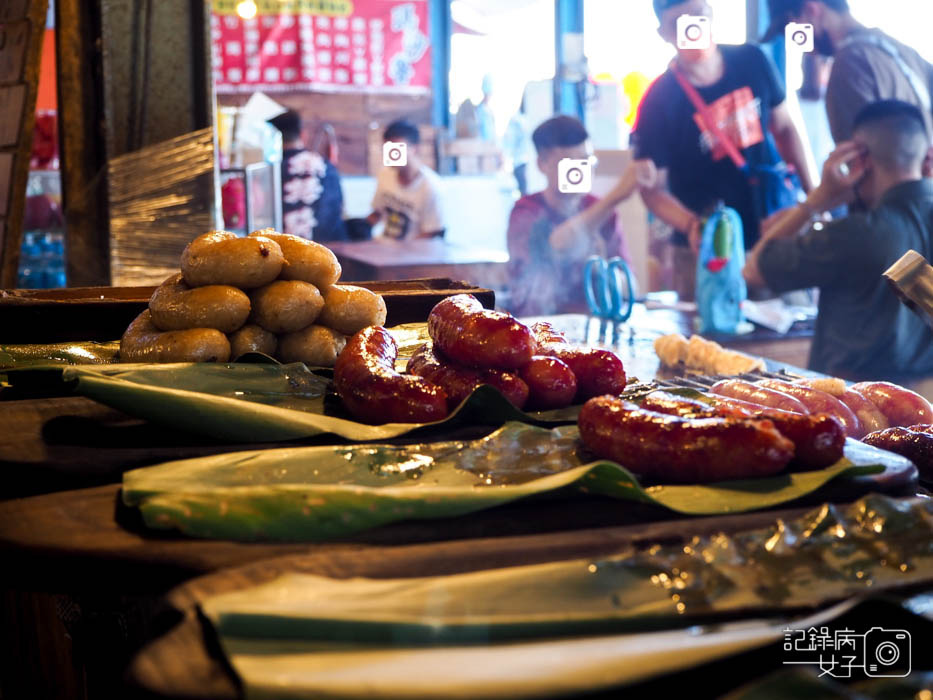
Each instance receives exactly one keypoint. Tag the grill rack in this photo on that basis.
(703, 382)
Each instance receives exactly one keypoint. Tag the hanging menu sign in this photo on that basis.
(339, 45)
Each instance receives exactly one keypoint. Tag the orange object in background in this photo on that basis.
(47, 98)
(44, 154)
(634, 85)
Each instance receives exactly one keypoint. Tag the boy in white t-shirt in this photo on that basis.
(407, 196)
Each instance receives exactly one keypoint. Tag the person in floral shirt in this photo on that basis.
(551, 233)
(312, 200)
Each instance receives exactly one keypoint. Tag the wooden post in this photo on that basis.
(81, 133)
(22, 27)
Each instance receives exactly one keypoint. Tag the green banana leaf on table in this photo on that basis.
(314, 493)
(584, 625)
(247, 402)
(777, 566)
(43, 355)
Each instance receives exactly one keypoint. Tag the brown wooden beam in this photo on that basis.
(33, 13)
(83, 155)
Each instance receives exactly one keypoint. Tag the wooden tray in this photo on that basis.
(103, 313)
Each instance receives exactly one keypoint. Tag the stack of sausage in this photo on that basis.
(749, 429)
(533, 367)
(268, 292)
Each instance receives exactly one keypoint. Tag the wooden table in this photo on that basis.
(83, 541)
(390, 259)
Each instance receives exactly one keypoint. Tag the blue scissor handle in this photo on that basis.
(603, 288)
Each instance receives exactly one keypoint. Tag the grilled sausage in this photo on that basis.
(899, 405)
(221, 257)
(459, 382)
(369, 386)
(143, 342)
(597, 371)
(475, 337)
(818, 402)
(682, 449)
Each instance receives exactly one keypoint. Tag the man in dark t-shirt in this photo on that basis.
(552, 233)
(743, 93)
(862, 330)
(312, 199)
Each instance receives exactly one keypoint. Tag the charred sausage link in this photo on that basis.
(551, 383)
(682, 449)
(819, 440)
(459, 382)
(915, 446)
(373, 391)
(597, 371)
(473, 336)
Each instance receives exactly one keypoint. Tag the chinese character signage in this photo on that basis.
(361, 45)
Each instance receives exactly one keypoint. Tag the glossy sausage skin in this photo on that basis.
(681, 406)
(551, 383)
(475, 337)
(682, 449)
(754, 393)
(459, 382)
(597, 371)
(373, 391)
(819, 440)
(899, 405)
(915, 446)
(818, 402)
(870, 416)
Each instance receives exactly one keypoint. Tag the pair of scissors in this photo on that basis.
(609, 288)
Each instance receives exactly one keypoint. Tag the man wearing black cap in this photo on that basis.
(713, 119)
(868, 65)
(312, 199)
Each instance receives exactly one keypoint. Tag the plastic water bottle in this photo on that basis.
(29, 276)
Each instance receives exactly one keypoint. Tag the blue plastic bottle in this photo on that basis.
(720, 286)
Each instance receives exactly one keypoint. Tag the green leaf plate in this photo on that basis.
(40, 355)
(573, 626)
(314, 493)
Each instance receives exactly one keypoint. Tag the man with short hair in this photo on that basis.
(552, 233)
(868, 65)
(407, 195)
(312, 199)
(862, 330)
(745, 100)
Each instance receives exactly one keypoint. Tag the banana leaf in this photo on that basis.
(827, 554)
(41, 355)
(255, 399)
(315, 493)
(516, 632)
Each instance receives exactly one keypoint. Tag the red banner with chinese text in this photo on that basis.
(363, 45)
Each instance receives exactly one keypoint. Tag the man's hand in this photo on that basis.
(694, 233)
(841, 172)
(640, 174)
